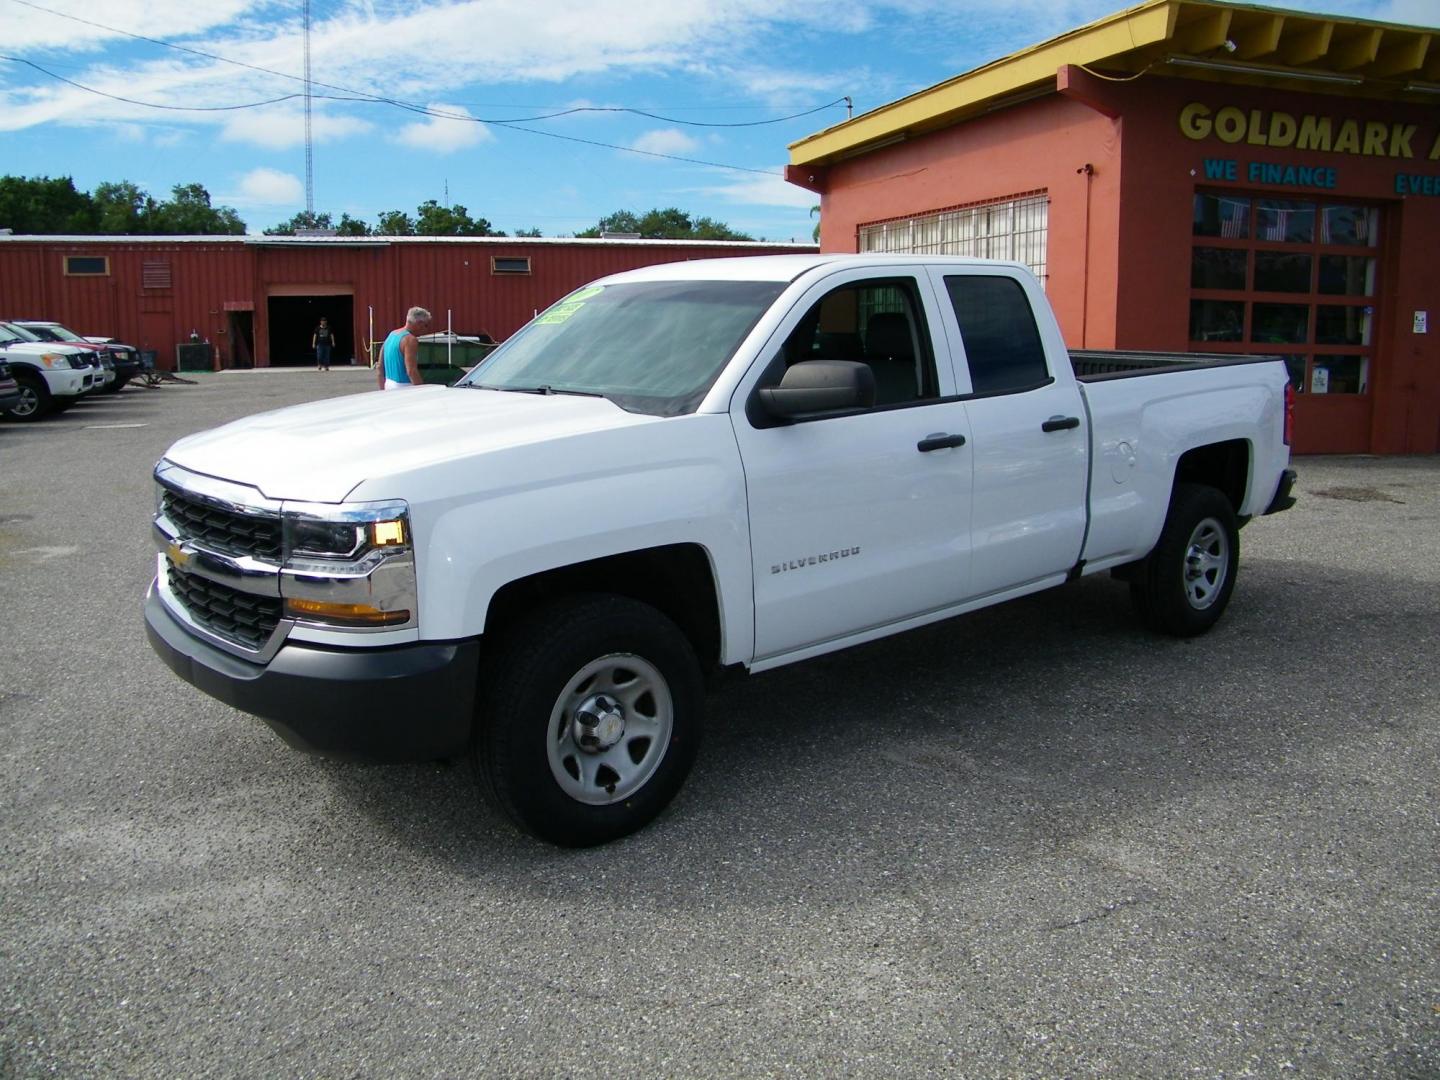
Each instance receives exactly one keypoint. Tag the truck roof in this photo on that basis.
(784, 267)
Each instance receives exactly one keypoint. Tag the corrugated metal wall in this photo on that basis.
(209, 278)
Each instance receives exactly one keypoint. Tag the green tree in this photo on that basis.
(302, 220)
(122, 208)
(350, 226)
(188, 213)
(395, 223)
(44, 205)
(670, 223)
(528, 232)
(815, 232)
(432, 219)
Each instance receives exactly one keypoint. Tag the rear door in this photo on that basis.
(1028, 428)
(854, 525)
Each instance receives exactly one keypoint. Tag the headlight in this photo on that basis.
(349, 565)
(54, 360)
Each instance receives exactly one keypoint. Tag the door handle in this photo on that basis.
(1060, 423)
(939, 442)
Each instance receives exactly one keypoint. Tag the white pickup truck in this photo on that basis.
(734, 463)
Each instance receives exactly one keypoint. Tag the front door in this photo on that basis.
(853, 525)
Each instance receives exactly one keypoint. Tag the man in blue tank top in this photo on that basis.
(400, 355)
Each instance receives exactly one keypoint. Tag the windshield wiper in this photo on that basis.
(545, 390)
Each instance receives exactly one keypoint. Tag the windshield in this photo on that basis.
(55, 333)
(650, 347)
(17, 333)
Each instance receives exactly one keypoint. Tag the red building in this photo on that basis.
(258, 298)
(1189, 175)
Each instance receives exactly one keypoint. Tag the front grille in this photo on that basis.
(224, 530)
(240, 617)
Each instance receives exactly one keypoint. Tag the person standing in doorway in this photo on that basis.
(400, 355)
(322, 341)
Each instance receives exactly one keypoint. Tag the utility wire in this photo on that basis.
(407, 106)
(347, 94)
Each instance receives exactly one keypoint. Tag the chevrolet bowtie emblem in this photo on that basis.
(177, 555)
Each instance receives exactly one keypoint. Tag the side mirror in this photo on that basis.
(820, 386)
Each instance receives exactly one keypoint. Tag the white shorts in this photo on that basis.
(391, 384)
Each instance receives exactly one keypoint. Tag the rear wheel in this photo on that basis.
(1185, 584)
(590, 719)
(35, 400)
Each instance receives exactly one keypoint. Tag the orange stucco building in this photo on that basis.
(1189, 175)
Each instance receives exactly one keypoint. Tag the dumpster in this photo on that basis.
(194, 357)
(444, 357)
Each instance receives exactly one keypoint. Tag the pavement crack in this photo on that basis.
(1104, 913)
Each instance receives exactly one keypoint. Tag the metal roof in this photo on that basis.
(1194, 39)
(381, 241)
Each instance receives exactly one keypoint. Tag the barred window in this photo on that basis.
(1014, 228)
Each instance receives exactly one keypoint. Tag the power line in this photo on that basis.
(348, 94)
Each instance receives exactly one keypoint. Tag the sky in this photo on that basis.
(492, 69)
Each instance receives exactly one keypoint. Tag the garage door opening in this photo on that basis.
(293, 320)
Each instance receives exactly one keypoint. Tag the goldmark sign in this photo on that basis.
(1326, 134)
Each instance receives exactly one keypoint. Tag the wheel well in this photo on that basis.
(1225, 466)
(675, 579)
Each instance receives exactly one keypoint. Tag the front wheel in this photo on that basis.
(35, 400)
(590, 718)
(1185, 583)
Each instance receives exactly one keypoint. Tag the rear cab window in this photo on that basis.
(1001, 340)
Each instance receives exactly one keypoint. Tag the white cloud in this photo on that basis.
(267, 187)
(443, 135)
(27, 28)
(281, 128)
(768, 190)
(666, 141)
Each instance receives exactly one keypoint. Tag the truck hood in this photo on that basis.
(319, 452)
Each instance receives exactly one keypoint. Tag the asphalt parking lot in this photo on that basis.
(1032, 842)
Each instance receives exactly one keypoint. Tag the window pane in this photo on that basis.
(1343, 325)
(651, 347)
(1221, 215)
(1295, 366)
(1357, 225)
(1217, 320)
(1217, 268)
(1280, 324)
(79, 265)
(1339, 375)
(1280, 271)
(1347, 275)
(1002, 342)
(1285, 220)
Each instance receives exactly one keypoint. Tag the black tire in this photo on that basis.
(1185, 583)
(582, 781)
(35, 401)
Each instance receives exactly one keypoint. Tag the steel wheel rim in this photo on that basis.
(28, 403)
(610, 773)
(1207, 563)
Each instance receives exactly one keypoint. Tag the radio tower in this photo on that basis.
(309, 142)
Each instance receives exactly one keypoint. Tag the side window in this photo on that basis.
(879, 323)
(1002, 342)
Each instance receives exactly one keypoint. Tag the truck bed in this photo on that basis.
(1098, 365)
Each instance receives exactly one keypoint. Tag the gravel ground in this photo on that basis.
(1031, 842)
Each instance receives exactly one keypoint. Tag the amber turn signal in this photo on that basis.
(344, 614)
(386, 533)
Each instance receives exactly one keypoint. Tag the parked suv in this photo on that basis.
(9, 388)
(51, 376)
(123, 360)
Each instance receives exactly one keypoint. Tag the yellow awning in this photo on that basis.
(1196, 39)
